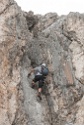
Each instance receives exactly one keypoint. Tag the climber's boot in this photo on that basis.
(39, 95)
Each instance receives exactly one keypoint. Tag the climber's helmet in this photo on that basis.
(43, 64)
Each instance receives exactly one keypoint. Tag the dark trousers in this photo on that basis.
(40, 79)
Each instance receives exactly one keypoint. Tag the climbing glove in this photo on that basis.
(29, 74)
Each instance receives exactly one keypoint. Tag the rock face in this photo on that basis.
(27, 40)
(13, 37)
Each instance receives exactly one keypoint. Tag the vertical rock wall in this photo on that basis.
(55, 46)
(59, 43)
(13, 37)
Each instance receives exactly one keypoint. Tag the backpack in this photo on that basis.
(44, 71)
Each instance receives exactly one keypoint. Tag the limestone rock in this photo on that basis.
(27, 40)
(13, 35)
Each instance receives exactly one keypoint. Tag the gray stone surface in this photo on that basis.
(27, 40)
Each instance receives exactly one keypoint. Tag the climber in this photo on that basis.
(40, 74)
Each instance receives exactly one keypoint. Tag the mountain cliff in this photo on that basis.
(27, 40)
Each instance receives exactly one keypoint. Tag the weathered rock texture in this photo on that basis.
(27, 40)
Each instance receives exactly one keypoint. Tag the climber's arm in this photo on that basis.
(32, 70)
